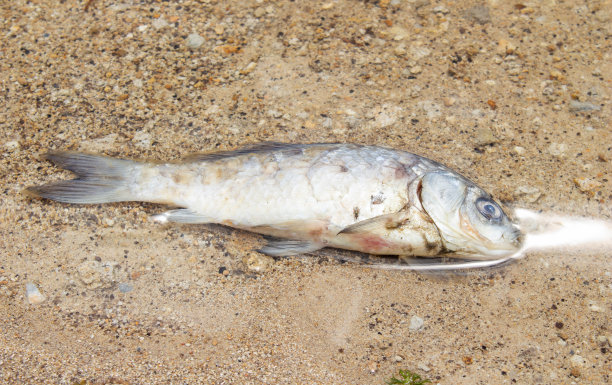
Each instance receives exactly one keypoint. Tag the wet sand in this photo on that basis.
(516, 96)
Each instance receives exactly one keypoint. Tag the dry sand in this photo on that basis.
(515, 95)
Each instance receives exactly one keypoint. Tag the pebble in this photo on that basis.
(125, 287)
(423, 367)
(449, 101)
(557, 149)
(159, 23)
(257, 263)
(12, 145)
(416, 70)
(98, 274)
(519, 150)
(33, 294)
(398, 359)
(577, 361)
(586, 184)
(384, 120)
(484, 136)
(479, 14)
(194, 41)
(529, 194)
(416, 323)
(398, 33)
(327, 123)
(249, 68)
(576, 106)
(595, 307)
(432, 109)
(142, 139)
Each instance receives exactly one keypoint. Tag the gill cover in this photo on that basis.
(470, 222)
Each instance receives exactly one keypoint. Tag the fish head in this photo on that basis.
(470, 222)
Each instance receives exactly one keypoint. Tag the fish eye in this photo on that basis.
(488, 209)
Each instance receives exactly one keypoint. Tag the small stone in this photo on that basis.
(327, 123)
(519, 150)
(602, 15)
(423, 367)
(577, 361)
(259, 12)
(575, 372)
(587, 185)
(576, 106)
(12, 145)
(432, 109)
(125, 287)
(219, 29)
(596, 308)
(418, 52)
(398, 359)
(416, 70)
(557, 149)
(400, 50)
(449, 101)
(194, 41)
(556, 75)
(602, 339)
(398, 33)
(33, 294)
(249, 68)
(505, 47)
(98, 274)
(529, 194)
(416, 323)
(142, 139)
(479, 14)
(484, 136)
(441, 9)
(257, 263)
(327, 6)
(159, 23)
(384, 120)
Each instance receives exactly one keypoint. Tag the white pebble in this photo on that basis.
(416, 323)
(34, 295)
(12, 145)
(577, 361)
(595, 307)
(194, 41)
(159, 23)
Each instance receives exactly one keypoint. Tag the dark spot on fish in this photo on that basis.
(343, 168)
(429, 245)
(377, 199)
(356, 212)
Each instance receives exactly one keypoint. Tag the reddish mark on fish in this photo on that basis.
(374, 243)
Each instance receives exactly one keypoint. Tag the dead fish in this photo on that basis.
(365, 198)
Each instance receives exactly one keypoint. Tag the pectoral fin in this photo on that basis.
(181, 216)
(406, 232)
(377, 224)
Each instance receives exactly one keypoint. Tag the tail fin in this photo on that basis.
(100, 179)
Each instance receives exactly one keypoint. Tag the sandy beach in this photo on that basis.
(514, 95)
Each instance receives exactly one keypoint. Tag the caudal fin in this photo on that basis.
(100, 179)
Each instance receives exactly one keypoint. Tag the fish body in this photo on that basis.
(365, 198)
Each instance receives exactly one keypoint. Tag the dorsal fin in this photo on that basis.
(257, 148)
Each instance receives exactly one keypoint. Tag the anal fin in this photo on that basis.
(181, 216)
(286, 247)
